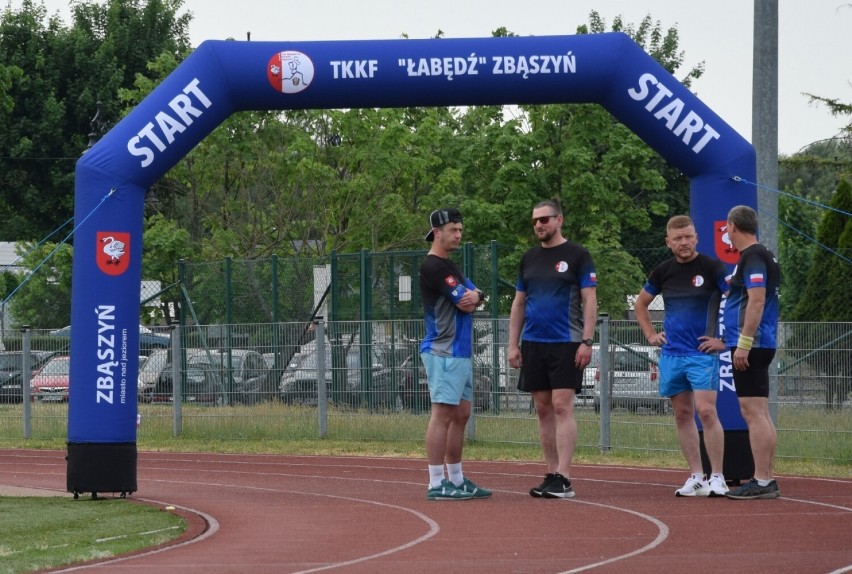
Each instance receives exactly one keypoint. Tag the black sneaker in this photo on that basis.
(559, 487)
(537, 490)
(752, 490)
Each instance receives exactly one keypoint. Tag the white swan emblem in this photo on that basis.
(114, 249)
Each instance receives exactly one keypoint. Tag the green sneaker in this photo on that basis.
(477, 491)
(447, 491)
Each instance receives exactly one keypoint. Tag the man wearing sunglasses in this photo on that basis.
(551, 332)
(449, 298)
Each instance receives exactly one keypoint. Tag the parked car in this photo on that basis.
(414, 385)
(12, 375)
(299, 381)
(203, 383)
(152, 368)
(251, 380)
(633, 370)
(52, 380)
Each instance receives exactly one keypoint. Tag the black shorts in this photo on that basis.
(548, 366)
(754, 381)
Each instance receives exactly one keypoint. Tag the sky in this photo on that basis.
(814, 43)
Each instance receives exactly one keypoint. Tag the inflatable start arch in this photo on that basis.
(223, 77)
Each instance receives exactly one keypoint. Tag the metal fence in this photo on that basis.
(354, 286)
(260, 381)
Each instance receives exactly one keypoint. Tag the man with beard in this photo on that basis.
(551, 332)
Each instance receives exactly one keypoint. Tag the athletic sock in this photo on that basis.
(763, 482)
(455, 474)
(436, 475)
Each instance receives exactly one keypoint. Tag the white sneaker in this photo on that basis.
(716, 486)
(694, 487)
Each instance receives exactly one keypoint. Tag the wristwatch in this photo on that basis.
(588, 342)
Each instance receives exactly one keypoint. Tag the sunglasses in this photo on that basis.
(544, 219)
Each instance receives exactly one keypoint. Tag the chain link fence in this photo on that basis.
(245, 351)
(260, 381)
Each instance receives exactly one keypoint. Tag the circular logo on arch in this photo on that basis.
(290, 72)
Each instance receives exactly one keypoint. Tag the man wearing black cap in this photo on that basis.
(449, 298)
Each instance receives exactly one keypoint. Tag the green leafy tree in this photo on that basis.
(69, 70)
(44, 299)
(825, 298)
(165, 243)
(810, 178)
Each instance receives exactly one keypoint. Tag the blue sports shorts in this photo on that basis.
(450, 379)
(692, 373)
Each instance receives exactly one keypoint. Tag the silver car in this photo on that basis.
(633, 376)
(299, 381)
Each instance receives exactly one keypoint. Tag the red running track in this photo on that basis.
(266, 513)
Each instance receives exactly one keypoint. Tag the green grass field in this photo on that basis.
(48, 532)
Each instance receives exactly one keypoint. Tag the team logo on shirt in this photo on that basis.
(561, 267)
(450, 280)
(697, 281)
(725, 250)
(756, 278)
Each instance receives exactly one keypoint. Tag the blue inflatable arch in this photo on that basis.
(223, 77)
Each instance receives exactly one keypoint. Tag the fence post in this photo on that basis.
(278, 364)
(467, 269)
(177, 382)
(322, 388)
(26, 375)
(334, 307)
(229, 320)
(184, 283)
(605, 393)
(470, 428)
(365, 328)
(496, 340)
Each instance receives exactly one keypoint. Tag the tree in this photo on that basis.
(824, 299)
(664, 46)
(69, 70)
(44, 300)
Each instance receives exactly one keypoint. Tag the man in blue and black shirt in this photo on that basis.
(551, 332)
(692, 285)
(449, 299)
(751, 331)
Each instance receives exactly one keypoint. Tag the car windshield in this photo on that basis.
(627, 360)
(155, 362)
(236, 359)
(57, 367)
(11, 362)
(353, 359)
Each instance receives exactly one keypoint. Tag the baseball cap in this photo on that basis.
(441, 217)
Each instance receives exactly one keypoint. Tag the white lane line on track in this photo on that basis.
(662, 534)
(662, 528)
(434, 528)
(815, 503)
